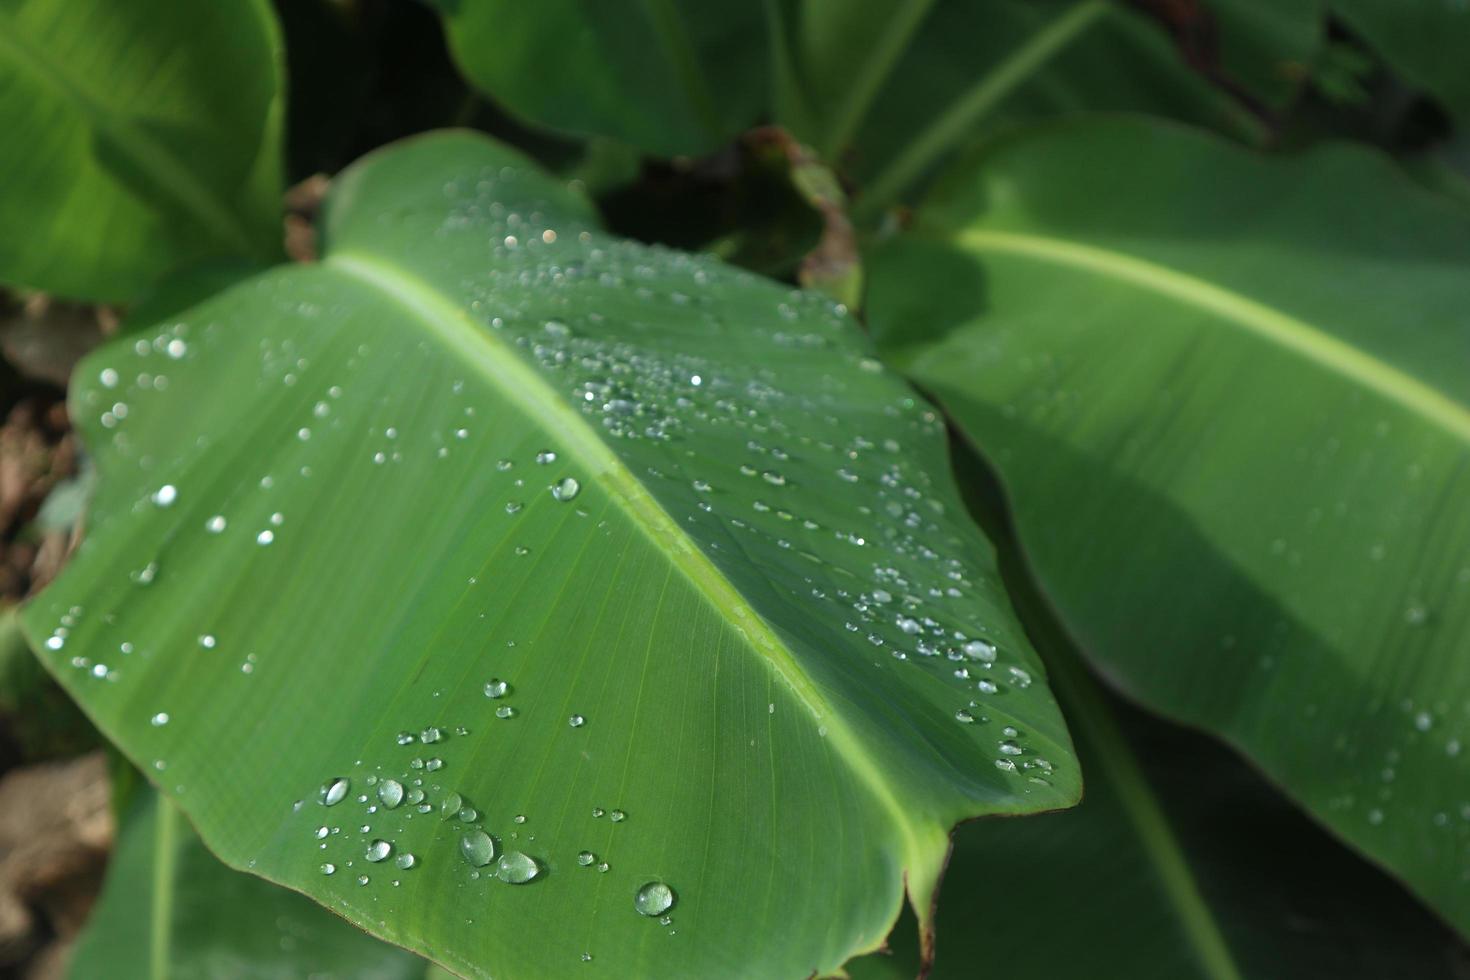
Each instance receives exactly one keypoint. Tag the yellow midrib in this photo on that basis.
(523, 386)
(1280, 328)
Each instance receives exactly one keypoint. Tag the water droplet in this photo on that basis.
(477, 848)
(379, 850)
(390, 793)
(265, 537)
(329, 869)
(598, 811)
(964, 717)
(617, 816)
(165, 495)
(566, 488)
(405, 860)
(654, 899)
(1423, 721)
(545, 456)
(586, 858)
(335, 790)
(1005, 764)
(450, 806)
(980, 650)
(576, 721)
(496, 688)
(362, 879)
(207, 641)
(1008, 747)
(516, 868)
(160, 719)
(215, 524)
(505, 711)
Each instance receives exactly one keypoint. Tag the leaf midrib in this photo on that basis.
(171, 176)
(1291, 333)
(522, 386)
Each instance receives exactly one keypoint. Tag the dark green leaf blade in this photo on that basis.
(1179, 863)
(1425, 40)
(169, 908)
(1226, 396)
(138, 136)
(667, 76)
(709, 546)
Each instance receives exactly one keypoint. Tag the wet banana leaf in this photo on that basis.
(144, 134)
(667, 76)
(1226, 396)
(170, 909)
(1179, 864)
(603, 609)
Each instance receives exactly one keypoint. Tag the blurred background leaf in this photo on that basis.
(140, 135)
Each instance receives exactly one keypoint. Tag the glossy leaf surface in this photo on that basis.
(138, 136)
(552, 545)
(170, 909)
(1227, 396)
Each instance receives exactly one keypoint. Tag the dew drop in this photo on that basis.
(566, 488)
(576, 721)
(379, 850)
(405, 860)
(496, 688)
(505, 711)
(329, 869)
(159, 720)
(586, 858)
(654, 899)
(545, 456)
(165, 495)
(477, 848)
(516, 868)
(390, 793)
(617, 816)
(335, 790)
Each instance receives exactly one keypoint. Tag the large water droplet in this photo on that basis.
(654, 899)
(496, 688)
(477, 847)
(335, 790)
(566, 488)
(379, 850)
(516, 868)
(586, 858)
(390, 793)
(405, 860)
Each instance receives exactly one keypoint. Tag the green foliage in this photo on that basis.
(138, 136)
(667, 76)
(170, 909)
(648, 492)
(548, 599)
(1236, 465)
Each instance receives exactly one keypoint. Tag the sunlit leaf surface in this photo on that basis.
(541, 601)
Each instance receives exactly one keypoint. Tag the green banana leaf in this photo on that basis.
(667, 76)
(1421, 39)
(170, 909)
(143, 134)
(890, 90)
(1226, 396)
(1268, 47)
(1179, 863)
(618, 594)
